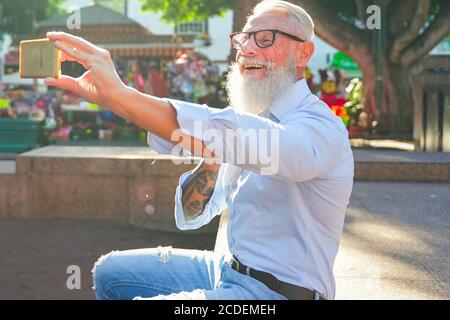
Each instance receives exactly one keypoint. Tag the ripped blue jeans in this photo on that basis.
(165, 273)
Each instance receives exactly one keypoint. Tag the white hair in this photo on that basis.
(299, 19)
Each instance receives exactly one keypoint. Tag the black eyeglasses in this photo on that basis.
(263, 38)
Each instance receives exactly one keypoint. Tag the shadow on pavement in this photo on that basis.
(36, 252)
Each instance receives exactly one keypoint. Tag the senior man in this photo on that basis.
(285, 223)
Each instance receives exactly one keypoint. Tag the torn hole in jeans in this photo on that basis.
(100, 260)
(163, 253)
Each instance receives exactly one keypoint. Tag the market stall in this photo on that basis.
(192, 77)
(139, 57)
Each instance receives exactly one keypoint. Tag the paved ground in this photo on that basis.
(395, 246)
(382, 143)
(35, 253)
(396, 242)
(7, 166)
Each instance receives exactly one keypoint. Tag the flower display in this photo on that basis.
(341, 112)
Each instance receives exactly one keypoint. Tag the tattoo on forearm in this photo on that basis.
(201, 180)
(207, 192)
(192, 208)
(198, 191)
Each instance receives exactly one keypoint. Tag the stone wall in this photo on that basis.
(137, 186)
(130, 185)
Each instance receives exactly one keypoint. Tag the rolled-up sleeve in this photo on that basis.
(159, 144)
(215, 205)
(301, 147)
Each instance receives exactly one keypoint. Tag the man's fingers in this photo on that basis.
(73, 41)
(65, 57)
(64, 82)
(72, 54)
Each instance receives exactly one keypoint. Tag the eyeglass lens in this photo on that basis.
(263, 39)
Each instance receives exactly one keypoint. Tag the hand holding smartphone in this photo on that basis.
(39, 58)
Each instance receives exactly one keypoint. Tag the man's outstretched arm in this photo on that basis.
(101, 84)
(197, 191)
(301, 147)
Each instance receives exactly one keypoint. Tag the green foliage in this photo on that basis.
(20, 16)
(355, 105)
(179, 11)
(116, 5)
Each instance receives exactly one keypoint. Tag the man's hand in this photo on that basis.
(100, 83)
(198, 191)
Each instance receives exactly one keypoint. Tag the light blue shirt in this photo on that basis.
(288, 224)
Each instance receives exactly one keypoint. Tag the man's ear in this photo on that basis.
(305, 53)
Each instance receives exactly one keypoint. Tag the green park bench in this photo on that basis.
(19, 135)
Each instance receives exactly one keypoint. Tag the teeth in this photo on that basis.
(253, 66)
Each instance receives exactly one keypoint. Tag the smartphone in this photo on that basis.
(39, 58)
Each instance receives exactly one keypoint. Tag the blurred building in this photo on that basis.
(121, 35)
(210, 37)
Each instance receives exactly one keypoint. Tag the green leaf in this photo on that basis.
(179, 11)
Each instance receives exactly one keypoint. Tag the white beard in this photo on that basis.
(247, 94)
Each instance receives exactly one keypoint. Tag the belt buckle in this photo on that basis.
(235, 264)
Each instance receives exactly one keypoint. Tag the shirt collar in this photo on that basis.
(290, 99)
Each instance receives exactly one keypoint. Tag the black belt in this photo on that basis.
(290, 291)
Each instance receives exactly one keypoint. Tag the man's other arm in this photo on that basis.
(197, 191)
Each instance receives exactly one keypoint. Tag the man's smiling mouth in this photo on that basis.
(253, 66)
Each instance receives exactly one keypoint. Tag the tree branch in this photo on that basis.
(429, 39)
(400, 13)
(407, 35)
(335, 31)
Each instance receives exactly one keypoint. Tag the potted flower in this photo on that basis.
(354, 107)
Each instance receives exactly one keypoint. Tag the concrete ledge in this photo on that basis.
(122, 184)
(14, 196)
(384, 165)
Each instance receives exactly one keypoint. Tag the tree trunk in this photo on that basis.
(395, 114)
(399, 90)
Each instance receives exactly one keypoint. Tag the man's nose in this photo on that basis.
(249, 47)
